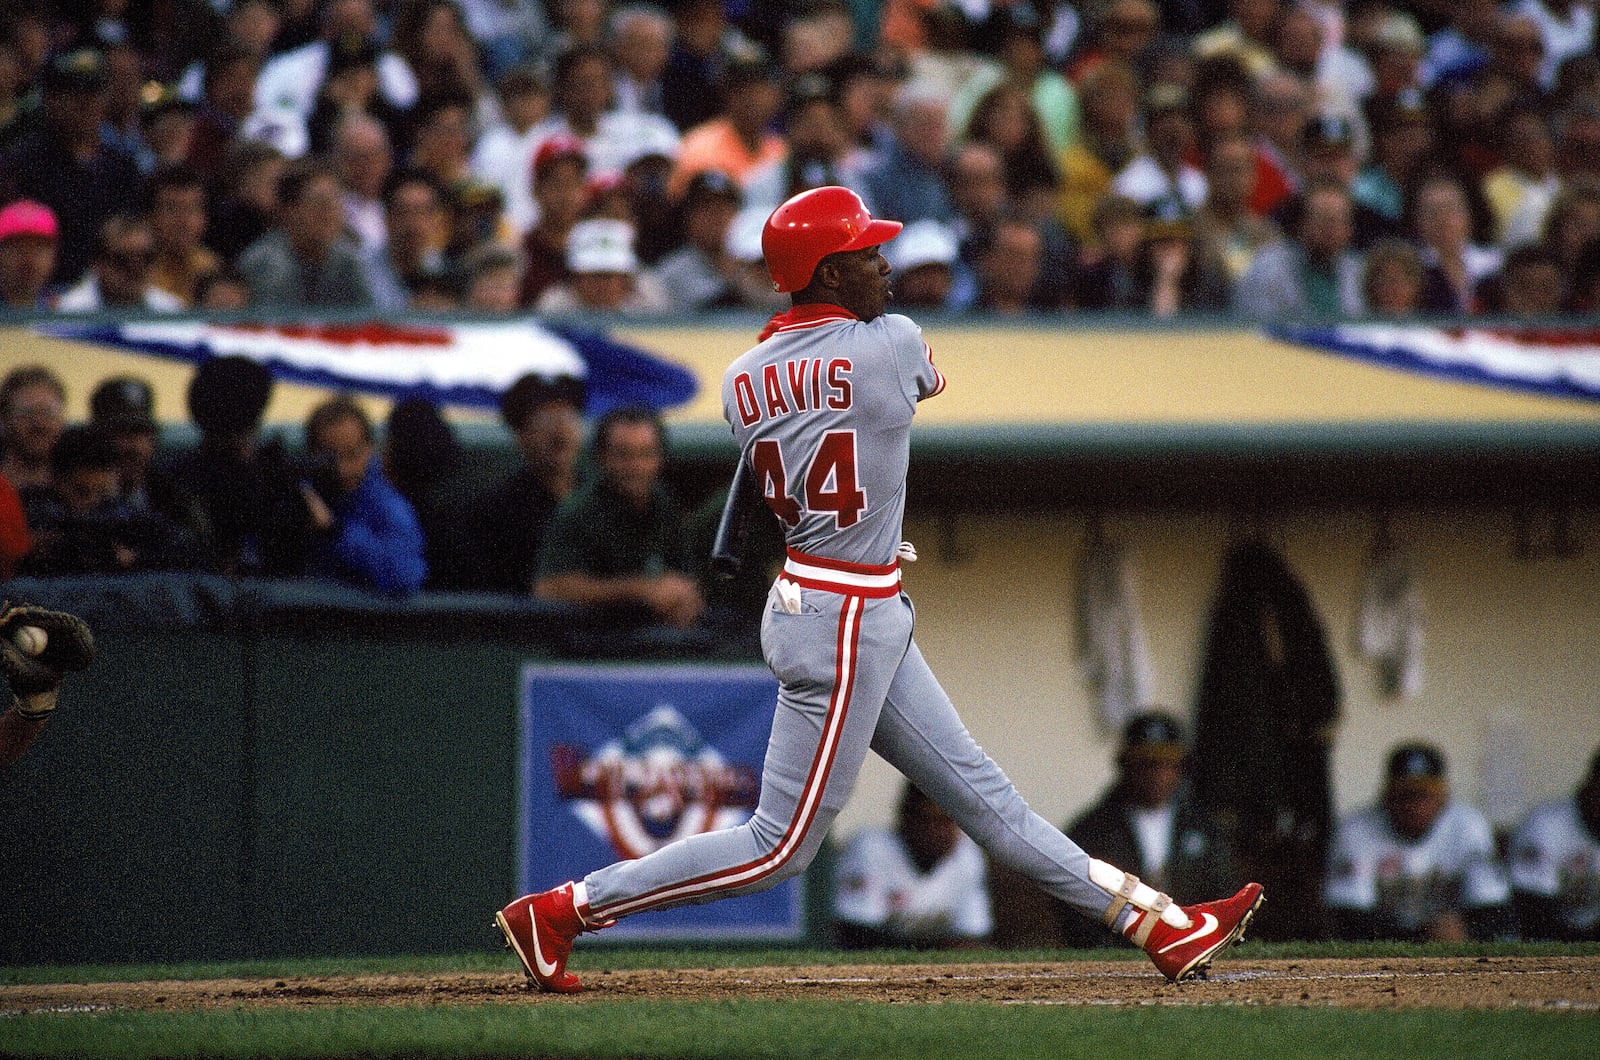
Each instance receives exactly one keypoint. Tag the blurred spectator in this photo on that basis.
(640, 37)
(120, 127)
(1283, 108)
(414, 217)
(307, 261)
(177, 230)
(293, 78)
(1555, 865)
(611, 139)
(701, 273)
(1395, 48)
(1022, 63)
(1247, 34)
(1525, 182)
(1577, 149)
(1462, 46)
(29, 237)
(441, 143)
(503, 154)
(1120, 33)
(364, 532)
(222, 291)
(560, 172)
(508, 32)
(1181, 273)
(923, 257)
(1009, 260)
(1106, 144)
(922, 884)
(1305, 44)
(866, 90)
(703, 46)
(905, 178)
(81, 524)
(1161, 173)
(1005, 119)
(423, 459)
(350, 91)
(617, 543)
(250, 25)
(119, 274)
(1108, 277)
(1224, 227)
(810, 40)
(63, 164)
(226, 103)
(606, 276)
(33, 413)
(1420, 865)
(1402, 140)
(491, 279)
(1315, 272)
(1328, 156)
(1455, 265)
(818, 145)
(506, 526)
(740, 139)
(1529, 284)
(1148, 823)
(1516, 63)
(248, 198)
(124, 407)
(1573, 223)
(1567, 28)
(431, 36)
(237, 494)
(364, 161)
(580, 24)
(1392, 279)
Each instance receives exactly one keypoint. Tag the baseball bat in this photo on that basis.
(733, 528)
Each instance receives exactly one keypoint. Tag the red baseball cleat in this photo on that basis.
(540, 928)
(1184, 953)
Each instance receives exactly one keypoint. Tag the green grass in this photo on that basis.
(738, 1029)
(802, 1029)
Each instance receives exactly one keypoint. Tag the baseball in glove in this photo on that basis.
(37, 649)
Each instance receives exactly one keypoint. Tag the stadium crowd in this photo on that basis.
(1262, 156)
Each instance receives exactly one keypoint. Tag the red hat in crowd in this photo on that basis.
(28, 218)
(554, 149)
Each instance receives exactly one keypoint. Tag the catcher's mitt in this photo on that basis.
(69, 647)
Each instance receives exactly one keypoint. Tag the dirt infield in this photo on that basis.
(1554, 983)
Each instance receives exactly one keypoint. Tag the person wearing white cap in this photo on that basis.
(606, 274)
(924, 262)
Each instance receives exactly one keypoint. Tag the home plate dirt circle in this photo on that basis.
(1545, 983)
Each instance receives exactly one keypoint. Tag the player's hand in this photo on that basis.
(35, 678)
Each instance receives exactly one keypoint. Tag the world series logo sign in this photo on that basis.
(618, 761)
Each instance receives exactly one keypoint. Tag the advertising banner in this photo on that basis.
(617, 761)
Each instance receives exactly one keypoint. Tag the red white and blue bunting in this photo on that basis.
(464, 364)
(1558, 361)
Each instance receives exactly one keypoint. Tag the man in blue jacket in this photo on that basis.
(366, 533)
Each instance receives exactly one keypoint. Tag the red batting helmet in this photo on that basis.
(813, 225)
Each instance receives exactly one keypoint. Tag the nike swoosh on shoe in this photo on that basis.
(1209, 925)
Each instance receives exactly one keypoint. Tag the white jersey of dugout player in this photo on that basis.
(1555, 856)
(878, 886)
(1407, 884)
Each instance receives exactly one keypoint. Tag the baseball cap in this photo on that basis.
(78, 70)
(123, 403)
(1153, 735)
(28, 218)
(601, 244)
(1416, 767)
(554, 149)
(925, 242)
(712, 184)
(1328, 131)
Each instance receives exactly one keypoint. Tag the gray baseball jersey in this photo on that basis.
(822, 410)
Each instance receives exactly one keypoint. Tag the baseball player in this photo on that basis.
(1555, 865)
(1419, 865)
(821, 409)
(37, 649)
